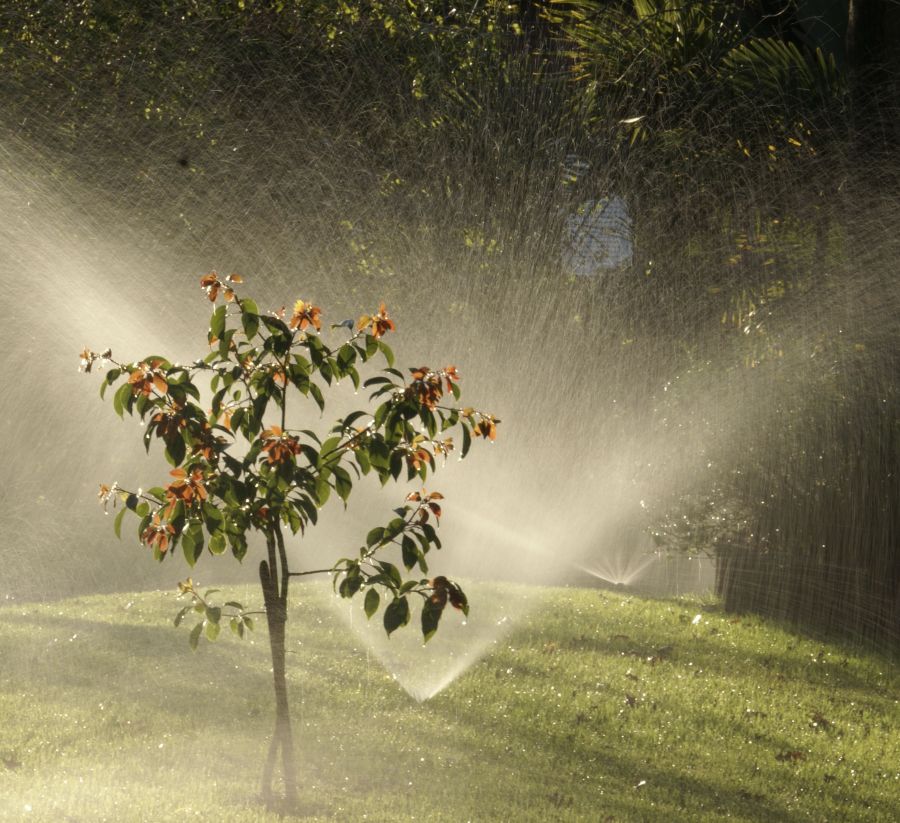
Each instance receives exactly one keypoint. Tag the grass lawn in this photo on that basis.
(592, 706)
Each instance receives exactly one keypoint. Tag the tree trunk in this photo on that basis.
(872, 58)
(273, 576)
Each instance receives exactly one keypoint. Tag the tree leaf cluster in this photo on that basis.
(237, 467)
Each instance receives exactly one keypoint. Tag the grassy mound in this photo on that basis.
(593, 706)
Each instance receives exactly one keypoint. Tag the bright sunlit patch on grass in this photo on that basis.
(592, 705)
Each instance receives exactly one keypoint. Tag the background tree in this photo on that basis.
(240, 466)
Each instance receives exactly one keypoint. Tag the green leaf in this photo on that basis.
(217, 543)
(374, 536)
(180, 616)
(386, 351)
(142, 525)
(294, 518)
(117, 524)
(177, 517)
(410, 552)
(351, 584)
(396, 614)
(343, 485)
(371, 602)
(192, 543)
(188, 543)
(120, 398)
(323, 489)
(395, 527)
(194, 637)
(346, 356)
(111, 376)
(450, 420)
(192, 390)
(351, 418)
(329, 452)
(216, 403)
(317, 350)
(261, 401)
(213, 517)
(392, 572)
(309, 508)
(212, 630)
(430, 535)
(275, 326)
(428, 420)
(217, 323)
(377, 381)
(175, 451)
(396, 464)
(467, 441)
(381, 413)
(238, 545)
(316, 393)
(249, 317)
(431, 617)
(361, 456)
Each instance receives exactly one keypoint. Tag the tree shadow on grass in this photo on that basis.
(149, 666)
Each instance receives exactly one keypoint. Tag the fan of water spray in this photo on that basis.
(425, 670)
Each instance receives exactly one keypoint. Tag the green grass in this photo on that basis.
(595, 706)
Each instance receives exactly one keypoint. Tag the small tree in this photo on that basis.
(238, 467)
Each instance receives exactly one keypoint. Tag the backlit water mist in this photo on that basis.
(548, 503)
(619, 406)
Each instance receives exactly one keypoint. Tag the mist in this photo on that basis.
(709, 407)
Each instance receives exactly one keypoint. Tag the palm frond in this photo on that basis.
(779, 67)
